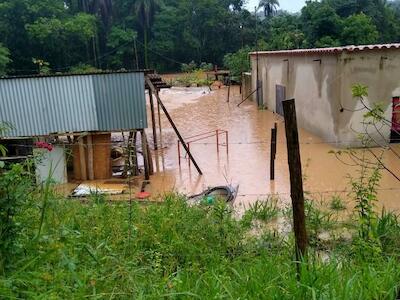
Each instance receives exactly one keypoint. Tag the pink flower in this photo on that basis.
(44, 145)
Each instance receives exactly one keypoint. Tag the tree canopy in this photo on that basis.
(67, 35)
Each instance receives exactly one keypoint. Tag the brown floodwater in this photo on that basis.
(196, 111)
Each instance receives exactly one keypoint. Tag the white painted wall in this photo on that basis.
(321, 85)
(380, 71)
(51, 163)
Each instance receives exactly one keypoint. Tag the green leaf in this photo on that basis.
(359, 90)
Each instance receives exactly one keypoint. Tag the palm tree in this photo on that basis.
(145, 10)
(103, 8)
(270, 7)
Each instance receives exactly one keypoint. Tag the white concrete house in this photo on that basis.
(321, 80)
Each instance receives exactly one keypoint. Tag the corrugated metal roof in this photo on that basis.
(331, 50)
(96, 72)
(102, 102)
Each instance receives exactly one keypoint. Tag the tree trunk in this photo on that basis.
(146, 57)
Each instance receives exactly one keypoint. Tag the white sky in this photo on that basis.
(288, 5)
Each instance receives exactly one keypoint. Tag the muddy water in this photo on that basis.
(247, 162)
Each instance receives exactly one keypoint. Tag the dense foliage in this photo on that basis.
(163, 34)
(69, 250)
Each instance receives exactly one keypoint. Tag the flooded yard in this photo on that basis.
(197, 111)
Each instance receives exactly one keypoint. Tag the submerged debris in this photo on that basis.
(226, 193)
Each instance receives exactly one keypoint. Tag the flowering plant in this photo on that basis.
(44, 145)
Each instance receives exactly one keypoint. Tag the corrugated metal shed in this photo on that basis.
(98, 102)
(330, 50)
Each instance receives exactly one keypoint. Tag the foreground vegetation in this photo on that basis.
(57, 248)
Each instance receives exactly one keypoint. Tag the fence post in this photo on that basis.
(217, 135)
(274, 133)
(296, 180)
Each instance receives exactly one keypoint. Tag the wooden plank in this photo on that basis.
(296, 179)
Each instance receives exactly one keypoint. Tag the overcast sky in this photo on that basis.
(289, 5)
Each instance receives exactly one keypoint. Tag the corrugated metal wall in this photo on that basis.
(111, 92)
(102, 102)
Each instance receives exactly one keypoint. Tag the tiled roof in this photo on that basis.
(331, 50)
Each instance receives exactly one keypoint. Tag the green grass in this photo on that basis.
(99, 250)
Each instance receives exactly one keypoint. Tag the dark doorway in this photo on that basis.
(280, 97)
(395, 132)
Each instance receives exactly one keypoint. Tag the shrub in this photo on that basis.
(238, 62)
(15, 185)
(190, 67)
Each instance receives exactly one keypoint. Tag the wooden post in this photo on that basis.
(274, 132)
(159, 121)
(82, 158)
(217, 135)
(150, 84)
(296, 179)
(90, 157)
(150, 157)
(134, 155)
(229, 88)
(145, 156)
(153, 120)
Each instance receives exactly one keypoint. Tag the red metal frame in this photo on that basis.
(202, 136)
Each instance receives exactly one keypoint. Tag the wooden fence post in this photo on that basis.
(274, 133)
(296, 179)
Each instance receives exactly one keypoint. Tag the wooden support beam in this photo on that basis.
(159, 121)
(90, 157)
(153, 120)
(135, 164)
(296, 179)
(151, 164)
(174, 127)
(145, 156)
(82, 158)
